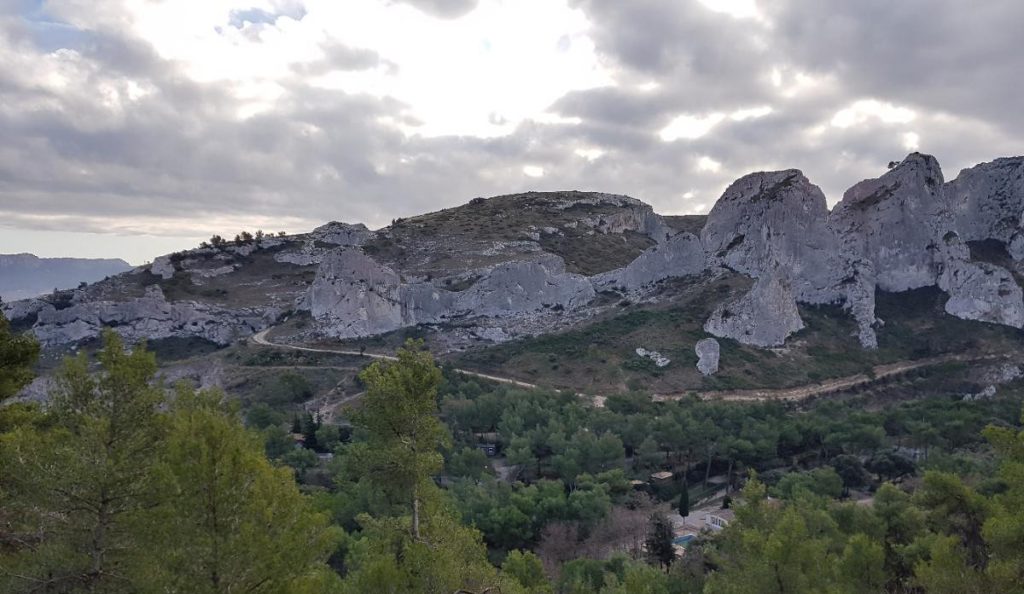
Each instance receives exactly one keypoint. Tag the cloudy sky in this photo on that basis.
(130, 128)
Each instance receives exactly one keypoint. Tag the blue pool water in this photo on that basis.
(681, 540)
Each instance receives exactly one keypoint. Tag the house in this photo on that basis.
(490, 449)
(718, 519)
(661, 479)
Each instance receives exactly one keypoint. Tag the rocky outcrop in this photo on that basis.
(354, 295)
(630, 215)
(496, 268)
(322, 240)
(681, 255)
(162, 267)
(987, 202)
(147, 318)
(520, 287)
(895, 223)
(764, 317)
(776, 221)
(776, 224)
(907, 230)
(708, 352)
(978, 290)
(658, 359)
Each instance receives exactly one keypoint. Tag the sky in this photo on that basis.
(131, 128)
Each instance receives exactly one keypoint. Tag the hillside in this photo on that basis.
(598, 293)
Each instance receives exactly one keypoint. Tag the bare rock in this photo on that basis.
(148, 318)
(764, 317)
(162, 267)
(681, 255)
(659, 359)
(776, 220)
(520, 287)
(708, 352)
(987, 202)
(895, 221)
(341, 234)
(353, 295)
(978, 290)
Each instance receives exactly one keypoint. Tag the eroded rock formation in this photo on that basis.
(708, 352)
(514, 265)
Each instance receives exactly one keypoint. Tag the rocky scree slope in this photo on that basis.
(526, 264)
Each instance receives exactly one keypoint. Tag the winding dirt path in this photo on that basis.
(260, 338)
(828, 386)
(784, 394)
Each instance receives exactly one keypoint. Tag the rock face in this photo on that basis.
(681, 255)
(772, 226)
(987, 202)
(708, 352)
(354, 296)
(322, 240)
(895, 222)
(146, 318)
(521, 287)
(776, 220)
(978, 290)
(764, 317)
(659, 359)
(908, 229)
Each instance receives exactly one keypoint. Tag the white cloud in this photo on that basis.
(689, 127)
(590, 154)
(512, 58)
(533, 171)
(911, 141)
(751, 113)
(865, 109)
(740, 9)
(708, 164)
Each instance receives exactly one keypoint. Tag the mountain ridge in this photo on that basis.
(26, 275)
(515, 266)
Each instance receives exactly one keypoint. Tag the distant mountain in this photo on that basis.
(26, 275)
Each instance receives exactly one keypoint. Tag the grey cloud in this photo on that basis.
(182, 152)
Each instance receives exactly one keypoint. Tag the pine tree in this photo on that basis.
(684, 502)
(17, 356)
(230, 521)
(80, 481)
(404, 435)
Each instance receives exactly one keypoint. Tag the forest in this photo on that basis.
(437, 483)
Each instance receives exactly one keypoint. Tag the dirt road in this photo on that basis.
(260, 338)
(826, 387)
(785, 394)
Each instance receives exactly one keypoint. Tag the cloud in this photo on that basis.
(153, 118)
(449, 9)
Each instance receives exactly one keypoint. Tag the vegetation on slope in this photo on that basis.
(117, 487)
(600, 356)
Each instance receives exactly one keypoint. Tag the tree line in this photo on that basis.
(123, 484)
